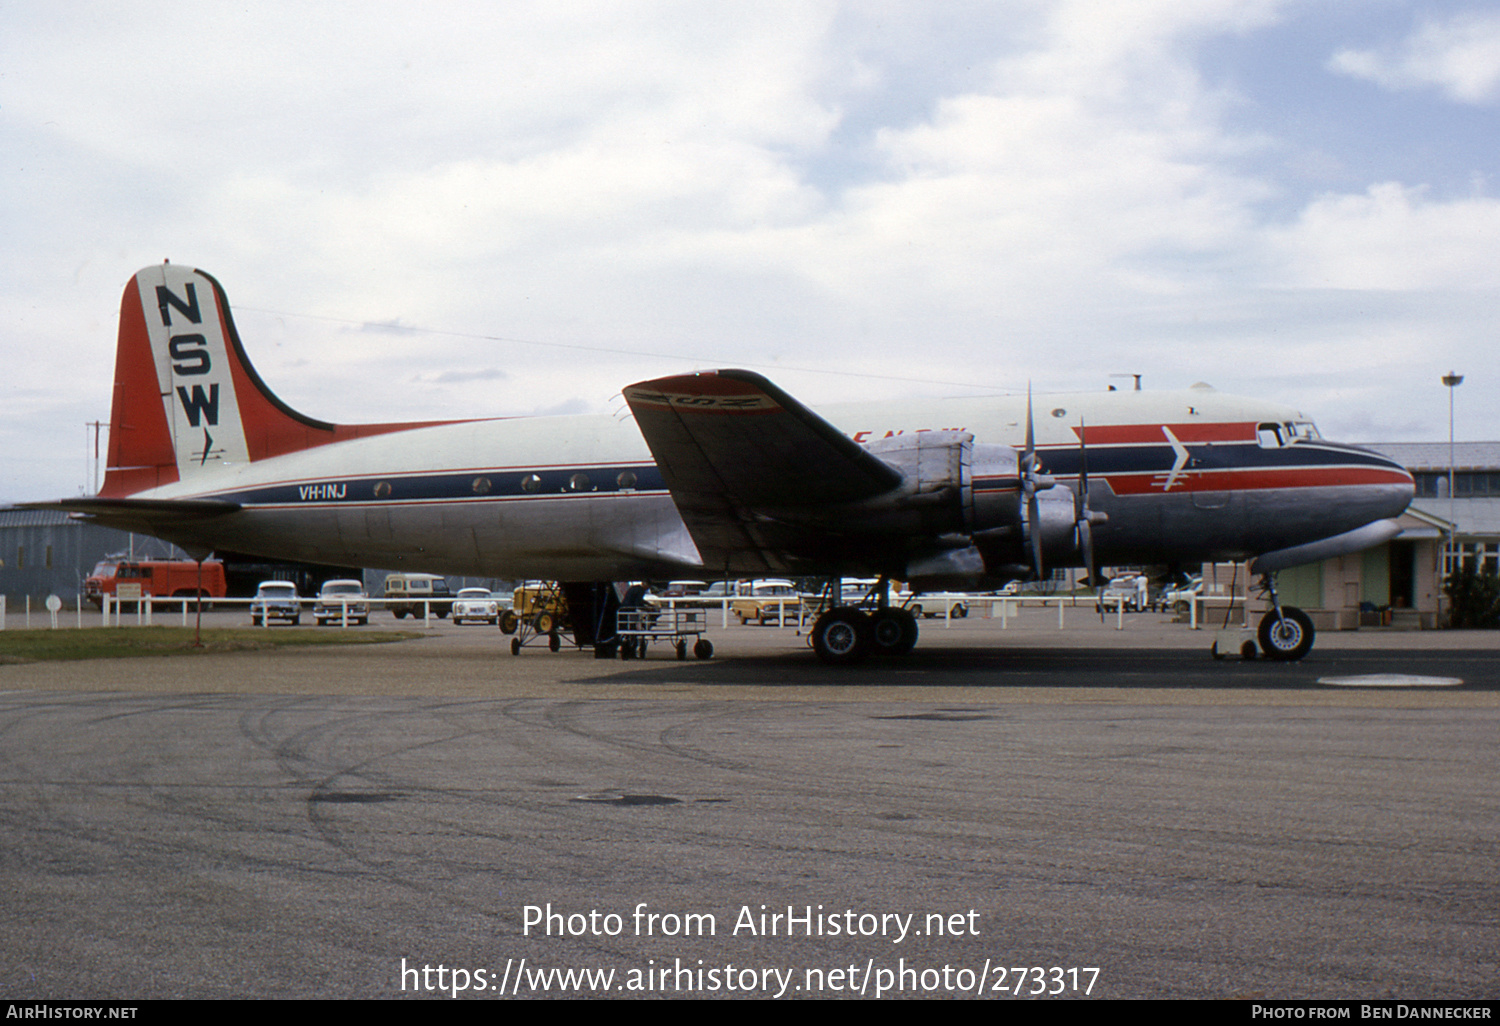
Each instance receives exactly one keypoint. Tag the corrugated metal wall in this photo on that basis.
(43, 552)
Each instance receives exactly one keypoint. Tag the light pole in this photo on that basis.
(1452, 380)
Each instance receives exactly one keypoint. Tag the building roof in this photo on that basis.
(1434, 455)
(1476, 518)
(13, 516)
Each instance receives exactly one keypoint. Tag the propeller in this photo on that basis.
(1084, 525)
(1033, 481)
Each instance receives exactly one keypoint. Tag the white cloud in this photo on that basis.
(1390, 238)
(1460, 56)
(893, 193)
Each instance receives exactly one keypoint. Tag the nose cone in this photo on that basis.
(1384, 488)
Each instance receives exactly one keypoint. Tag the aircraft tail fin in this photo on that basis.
(187, 401)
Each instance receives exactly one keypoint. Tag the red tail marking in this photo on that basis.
(140, 441)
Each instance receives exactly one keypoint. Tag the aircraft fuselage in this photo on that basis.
(1182, 477)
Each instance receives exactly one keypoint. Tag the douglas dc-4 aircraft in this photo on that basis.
(723, 475)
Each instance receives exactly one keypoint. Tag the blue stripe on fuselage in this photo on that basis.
(510, 483)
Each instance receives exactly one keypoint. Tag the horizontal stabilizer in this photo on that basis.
(148, 516)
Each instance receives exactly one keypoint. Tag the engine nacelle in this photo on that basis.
(936, 495)
(959, 514)
(1000, 526)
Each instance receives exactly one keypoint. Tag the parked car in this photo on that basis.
(336, 596)
(767, 602)
(418, 591)
(930, 606)
(475, 605)
(1178, 599)
(1133, 592)
(276, 600)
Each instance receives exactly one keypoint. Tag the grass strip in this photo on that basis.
(31, 646)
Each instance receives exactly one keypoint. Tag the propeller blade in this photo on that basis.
(1033, 513)
(1085, 523)
(1083, 459)
(1030, 431)
(1029, 484)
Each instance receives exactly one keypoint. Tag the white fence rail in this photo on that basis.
(148, 610)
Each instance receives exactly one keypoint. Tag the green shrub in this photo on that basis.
(1473, 597)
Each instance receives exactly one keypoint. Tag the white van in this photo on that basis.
(414, 589)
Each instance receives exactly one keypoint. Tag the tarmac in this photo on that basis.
(1086, 660)
(1006, 812)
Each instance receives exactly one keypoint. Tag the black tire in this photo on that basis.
(681, 650)
(703, 649)
(509, 621)
(1287, 639)
(400, 614)
(515, 646)
(554, 643)
(893, 632)
(841, 637)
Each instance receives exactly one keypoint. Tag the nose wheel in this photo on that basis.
(1286, 634)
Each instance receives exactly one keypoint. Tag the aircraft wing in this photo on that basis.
(750, 468)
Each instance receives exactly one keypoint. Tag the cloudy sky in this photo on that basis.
(484, 209)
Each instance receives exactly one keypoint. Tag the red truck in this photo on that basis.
(160, 578)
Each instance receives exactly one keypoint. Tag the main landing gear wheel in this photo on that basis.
(842, 636)
(893, 632)
(1287, 638)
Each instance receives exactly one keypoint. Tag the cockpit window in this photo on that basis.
(1269, 436)
(1302, 430)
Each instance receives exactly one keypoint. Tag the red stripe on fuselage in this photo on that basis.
(1153, 434)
